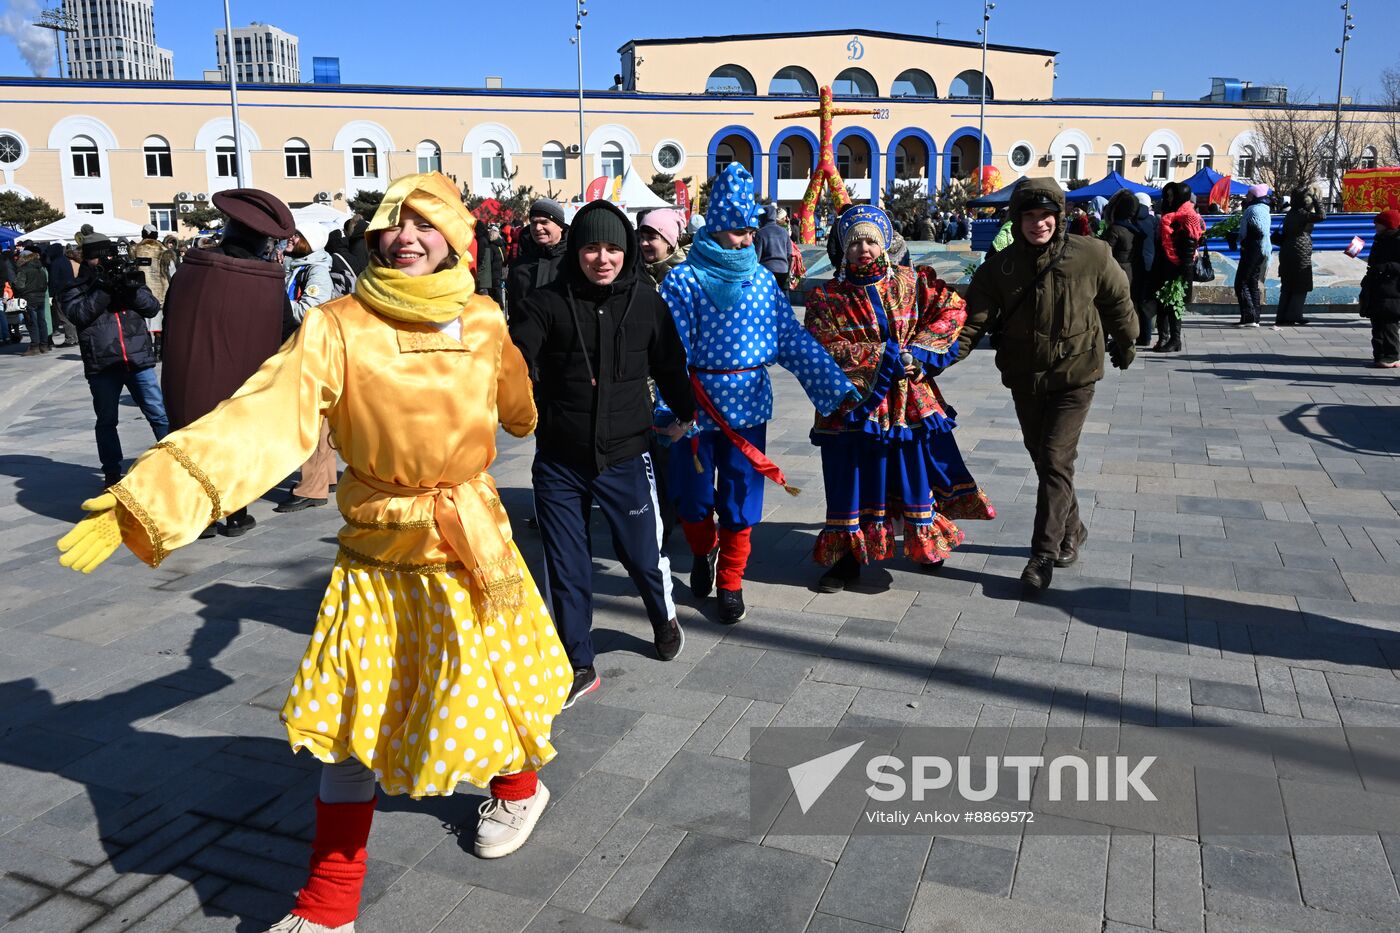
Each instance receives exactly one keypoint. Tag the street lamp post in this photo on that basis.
(577, 40)
(233, 97)
(1347, 27)
(987, 8)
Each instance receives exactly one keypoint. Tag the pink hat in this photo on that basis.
(1258, 192)
(665, 222)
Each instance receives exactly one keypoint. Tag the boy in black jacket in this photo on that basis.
(591, 339)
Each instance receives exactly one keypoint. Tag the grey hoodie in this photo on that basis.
(308, 280)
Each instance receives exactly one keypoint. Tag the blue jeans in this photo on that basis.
(106, 389)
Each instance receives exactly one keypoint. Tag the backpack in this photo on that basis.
(342, 276)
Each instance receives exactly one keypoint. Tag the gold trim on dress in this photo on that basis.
(397, 566)
(217, 512)
(129, 503)
(420, 525)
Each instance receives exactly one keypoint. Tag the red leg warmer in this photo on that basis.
(700, 535)
(733, 558)
(521, 786)
(331, 896)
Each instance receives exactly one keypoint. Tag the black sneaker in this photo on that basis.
(586, 680)
(1039, 570)
(209, 532)
(296, 503)
(839, 575)
(111, 479)
(669, 638)
(702, 573)
(731, 606)
(1069, 548)
(236, 527)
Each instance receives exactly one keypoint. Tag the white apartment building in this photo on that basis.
(116, 41)
(262, 54)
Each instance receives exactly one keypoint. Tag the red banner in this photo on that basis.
(596, 188)
(1220, 193)
(1371, 190)
(683, 200)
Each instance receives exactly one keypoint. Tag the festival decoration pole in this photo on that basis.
(825, 174)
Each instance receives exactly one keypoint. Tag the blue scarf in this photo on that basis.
(721, 272)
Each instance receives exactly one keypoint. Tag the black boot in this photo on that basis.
(1174, 344)
(1038, 573)
(1163, 332)
(839, 575)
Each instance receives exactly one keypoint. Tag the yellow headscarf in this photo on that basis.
(437, 297)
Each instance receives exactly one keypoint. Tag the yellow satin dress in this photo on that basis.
(415, 668)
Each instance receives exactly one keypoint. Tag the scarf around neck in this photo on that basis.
(416, 299)
(721, 272)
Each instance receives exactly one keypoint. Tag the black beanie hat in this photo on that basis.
(548, 207)
(599, 225)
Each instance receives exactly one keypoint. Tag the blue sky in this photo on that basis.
(1125, 53)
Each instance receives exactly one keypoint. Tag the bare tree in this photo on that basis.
(1389, 129)
(1289, 143)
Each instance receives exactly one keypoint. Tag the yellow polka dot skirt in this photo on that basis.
(405, 675)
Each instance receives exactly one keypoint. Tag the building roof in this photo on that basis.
(904, 37)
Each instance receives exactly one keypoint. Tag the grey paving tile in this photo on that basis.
(974, 866)
(876, 879)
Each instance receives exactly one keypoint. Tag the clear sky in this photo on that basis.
(1119, 50)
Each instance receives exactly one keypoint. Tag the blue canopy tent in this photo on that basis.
(1204, 180)
(8, 237)
(1108, 186)
(999, 198)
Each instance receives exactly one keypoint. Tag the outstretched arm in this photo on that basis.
(800, 354)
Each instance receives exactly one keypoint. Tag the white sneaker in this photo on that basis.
(294, 924)
(1253, 323)
(506, 824)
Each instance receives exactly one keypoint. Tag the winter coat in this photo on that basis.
(1054, 340)
(356, 249)
(157, 278)
(774, 247)
(654, 273)
(1295, 252)
(590, 350)
(225, 314)
(111, 327)
(923, 229)
(60, 269)
(538, 267)
(1122, 243)
(1255, 225)
(308, 281)
(1380, 288)
(485, 272)
(30, 281)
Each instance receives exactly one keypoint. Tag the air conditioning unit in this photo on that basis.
(1183, 159)
(1140, 158)
(201, 197)
(183, 196)
(187, 208)
(573, 149)
(1046, 159)
(322, 197)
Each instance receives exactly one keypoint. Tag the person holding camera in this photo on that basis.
(1049, 298)
(109, 303)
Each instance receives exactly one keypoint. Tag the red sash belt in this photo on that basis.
(758, 458)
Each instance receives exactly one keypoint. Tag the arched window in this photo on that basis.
(493, 161)
(157, 152)
(913, 83)
(1161, 163)
(86, 164)
(555, 166)
(1205, 158)
(969, 84)
(1117, 158)
(855, 82)
(364, 159)
(297, 154)
(225, 157)
(1244, 162)
(730, 79)
(1368, 157)
(955, 162)
(1069, 163)
(614, 163)
(429, 156)
(785, 161)
(724, 154)
(793, 81)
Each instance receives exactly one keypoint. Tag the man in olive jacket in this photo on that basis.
(1048, 299)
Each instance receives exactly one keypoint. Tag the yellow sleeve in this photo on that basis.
(515, 394)
(239, 450)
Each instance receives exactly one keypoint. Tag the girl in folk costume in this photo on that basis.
(893, 457)
(433, 659)
(734, 322)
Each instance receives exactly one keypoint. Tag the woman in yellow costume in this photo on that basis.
(433, 660)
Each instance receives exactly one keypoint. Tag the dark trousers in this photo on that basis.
(626, 495)
(1290, 305)
(106, 388)
(36, 321)
(1385, 341)
(1050, 426)
(1247, 287)
(1146, 308)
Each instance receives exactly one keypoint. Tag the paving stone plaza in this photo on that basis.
(1243, 568)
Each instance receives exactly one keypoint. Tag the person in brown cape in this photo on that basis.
(226, 312)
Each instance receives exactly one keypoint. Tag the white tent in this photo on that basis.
(634, 197)
(64, 230)
(322, 214)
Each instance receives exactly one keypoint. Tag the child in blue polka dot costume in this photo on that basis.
(735, 322)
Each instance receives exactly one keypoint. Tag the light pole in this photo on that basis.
(233, 96)
(577, 40)
(1347, 27)
(987, 9)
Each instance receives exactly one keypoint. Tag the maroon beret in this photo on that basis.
(257, 210)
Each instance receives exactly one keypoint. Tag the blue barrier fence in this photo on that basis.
(1332, 235)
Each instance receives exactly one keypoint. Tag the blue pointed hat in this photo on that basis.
(731, 205)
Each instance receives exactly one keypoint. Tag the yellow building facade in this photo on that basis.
(139, 150)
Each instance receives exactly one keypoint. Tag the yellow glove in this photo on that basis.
(94, 538)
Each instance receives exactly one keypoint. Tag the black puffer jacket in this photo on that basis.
(1380, 288)
(590, 350)
(538, 267)
(1295, 267)
(111, 326)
